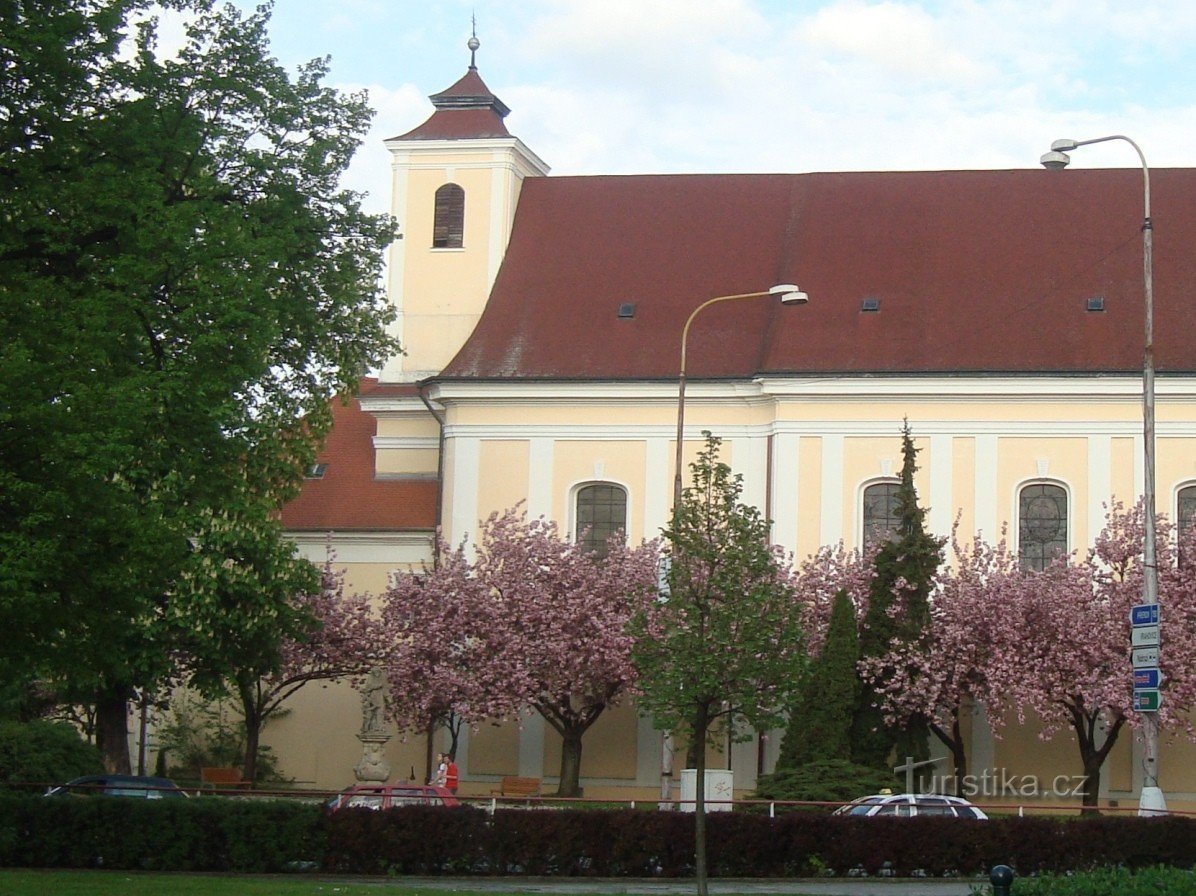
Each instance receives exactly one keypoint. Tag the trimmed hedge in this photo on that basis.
(251, 835)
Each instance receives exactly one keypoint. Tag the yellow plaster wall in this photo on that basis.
(322, 755)
(406, 462)
(503, 482)
(809, 489)
(494, 750)
(963, 488)
(621, 462)
(608, 749)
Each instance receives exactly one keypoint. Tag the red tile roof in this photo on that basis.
(349, 497)
(975, 271)
(467, 110)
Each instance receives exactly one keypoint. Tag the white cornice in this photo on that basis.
(403, 150)
(1082, 389)
(375, 546)
(406, 443)
(605, 432)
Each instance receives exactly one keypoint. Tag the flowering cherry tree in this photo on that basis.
(443, 663)
(1069, 656)
(533, 622)
(1054, 643)
(943, 673)
(563, 617)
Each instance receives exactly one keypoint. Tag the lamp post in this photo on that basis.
(789, 295)
(1152, 800)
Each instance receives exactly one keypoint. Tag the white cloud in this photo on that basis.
(901, 39)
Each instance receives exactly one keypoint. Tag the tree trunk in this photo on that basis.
(112, 730)
(953, 741)
(253, 731)
(570, 783)
(701, 723)
(1093, 758)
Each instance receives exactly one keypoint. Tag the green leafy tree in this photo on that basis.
(42, 752)
(723, 650)
(183, 287)
(820, 723)
(898, 612)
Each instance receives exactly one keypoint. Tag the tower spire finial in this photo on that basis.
(473, 44)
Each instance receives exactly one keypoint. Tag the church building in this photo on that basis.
(1000, 313)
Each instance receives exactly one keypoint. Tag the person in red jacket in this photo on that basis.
(450, 773)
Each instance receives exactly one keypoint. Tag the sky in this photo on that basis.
(713, 86)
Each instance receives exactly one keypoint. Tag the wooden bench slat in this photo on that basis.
(216, 776)
(514, 785)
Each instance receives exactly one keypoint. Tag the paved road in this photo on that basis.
(619, 887)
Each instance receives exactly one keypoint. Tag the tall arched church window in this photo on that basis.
(880, 513)
(448, 224)
(601, 512)
(1042, 525)
(1185, 508)
(1185, 519)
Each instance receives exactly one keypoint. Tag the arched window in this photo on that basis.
(1185, 508)
(1042, 525)
(880, 513)
(601, 512)
(448, 225)
(1185, 519)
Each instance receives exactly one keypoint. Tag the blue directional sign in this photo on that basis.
(1144, 614)
(1146, 679)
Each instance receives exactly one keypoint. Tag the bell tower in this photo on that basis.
(455, 183)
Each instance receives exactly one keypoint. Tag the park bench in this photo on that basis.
(513, 785)
(220, 778)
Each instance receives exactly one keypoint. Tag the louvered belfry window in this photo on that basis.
(448, 225)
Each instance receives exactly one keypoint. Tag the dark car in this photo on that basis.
(906, 805)
(391, 796)
(143, 787)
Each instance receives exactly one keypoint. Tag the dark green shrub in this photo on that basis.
(44, 753)
(827, 780)
(1111, 882)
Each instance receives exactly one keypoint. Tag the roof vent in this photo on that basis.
(316, 471)
(870, 304)
(1095, 303)
(627, 309)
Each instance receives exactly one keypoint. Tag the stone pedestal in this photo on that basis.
(373, 765)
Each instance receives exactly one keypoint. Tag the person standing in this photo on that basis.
(438, 777)
(450, 773)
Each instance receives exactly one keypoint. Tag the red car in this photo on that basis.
(391, 796)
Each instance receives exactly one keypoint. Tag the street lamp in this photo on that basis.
(1152, 800)
(789, 295)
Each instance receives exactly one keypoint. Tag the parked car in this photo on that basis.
(906, 805)
(143, 787)
(391, 796)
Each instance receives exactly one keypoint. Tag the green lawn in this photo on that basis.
(124, 883)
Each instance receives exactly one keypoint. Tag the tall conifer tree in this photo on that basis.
(820, 723)
(898, 611)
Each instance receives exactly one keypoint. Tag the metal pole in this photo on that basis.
(1152, 801)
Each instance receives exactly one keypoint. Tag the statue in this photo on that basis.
(375, 704)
